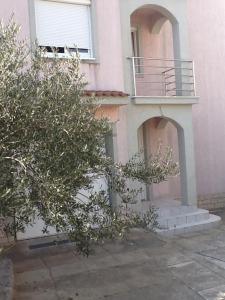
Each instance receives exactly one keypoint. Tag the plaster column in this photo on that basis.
(187, 165)
(134, 134)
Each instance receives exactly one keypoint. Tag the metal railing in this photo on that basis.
(162, 77)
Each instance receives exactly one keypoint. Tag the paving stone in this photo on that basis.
(216, 293)
(196, 276)
(217, 254)
(6, 293)
(211, 264)
(6, 279)
(37, 295)
(28, 265)
(175, 292)
(68, 269)
(124, 284)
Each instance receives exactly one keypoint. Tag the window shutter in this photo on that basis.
(63, 24)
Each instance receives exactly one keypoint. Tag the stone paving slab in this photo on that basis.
(197, 276)
(176, 291)
(217, 293)
(135, 286)
(6, 279)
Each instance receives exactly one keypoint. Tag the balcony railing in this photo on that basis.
(162, 77)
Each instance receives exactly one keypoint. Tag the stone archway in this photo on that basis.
(154, 133)
(185, 216)
(156, 16)
(181, 118)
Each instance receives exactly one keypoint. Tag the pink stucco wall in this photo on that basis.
(19, 9)
(207, 44)
(107, 74)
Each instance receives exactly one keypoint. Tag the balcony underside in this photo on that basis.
(181, 100)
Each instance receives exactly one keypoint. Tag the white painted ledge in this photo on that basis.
(110, 101)
(146, 100)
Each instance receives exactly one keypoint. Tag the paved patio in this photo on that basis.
(188, 267)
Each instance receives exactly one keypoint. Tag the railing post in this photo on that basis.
(134, 76)
(164, 83)
(194, 80)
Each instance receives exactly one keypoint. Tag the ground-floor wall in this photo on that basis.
(206, 16)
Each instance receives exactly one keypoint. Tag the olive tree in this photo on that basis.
(51, 151)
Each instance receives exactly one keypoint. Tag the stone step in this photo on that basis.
(183, 218)
(175, 210)
(210, 223)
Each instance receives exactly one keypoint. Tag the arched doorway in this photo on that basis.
(158, 31)
(175, 122)
(155, 132)
(175, 199)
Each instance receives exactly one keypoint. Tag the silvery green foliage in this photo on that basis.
(51, 150)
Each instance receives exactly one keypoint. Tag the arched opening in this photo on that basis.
(175, 199)
(155, 50)
(154, 31)
(155, 131)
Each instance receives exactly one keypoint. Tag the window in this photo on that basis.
(64, 26)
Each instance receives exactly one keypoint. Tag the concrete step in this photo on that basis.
(164, 212)
(183, 218)
(209, 223)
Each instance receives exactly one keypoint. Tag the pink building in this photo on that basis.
(157, 68)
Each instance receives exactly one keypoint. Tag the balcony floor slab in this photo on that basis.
(182, 100)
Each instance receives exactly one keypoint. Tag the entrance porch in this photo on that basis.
(175, 199)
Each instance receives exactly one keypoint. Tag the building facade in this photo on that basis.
(156, 67)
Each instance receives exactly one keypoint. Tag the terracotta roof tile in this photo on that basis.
(105, 93)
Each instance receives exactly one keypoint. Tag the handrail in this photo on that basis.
(160, 59)
(161, 67)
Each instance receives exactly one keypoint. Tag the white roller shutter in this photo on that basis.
(60, 24)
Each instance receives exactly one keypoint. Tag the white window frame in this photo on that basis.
(135, 40)
(67, 54)
(82, 2)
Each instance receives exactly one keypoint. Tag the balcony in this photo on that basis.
(170, 81)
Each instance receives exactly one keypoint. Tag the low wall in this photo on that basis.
(212, 202)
